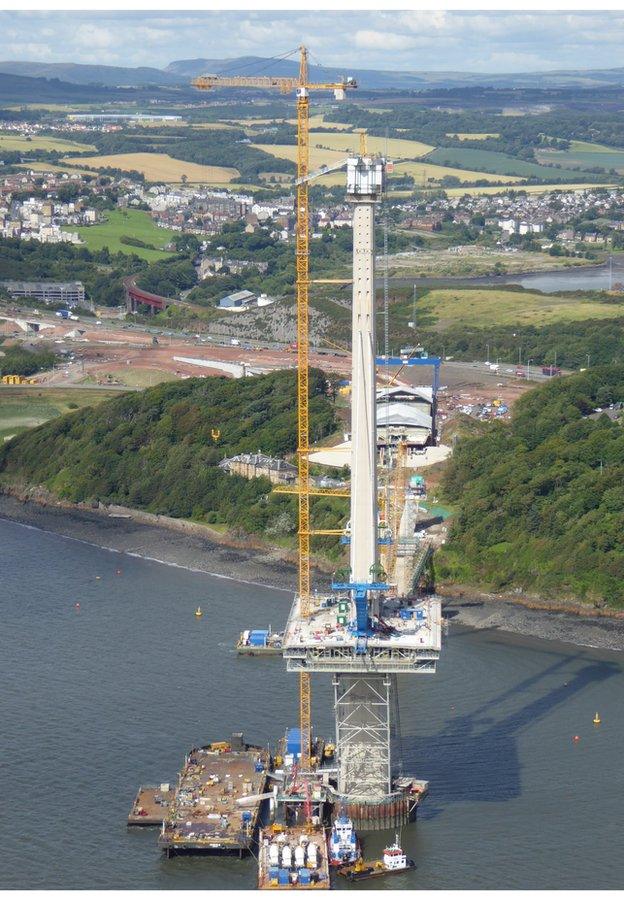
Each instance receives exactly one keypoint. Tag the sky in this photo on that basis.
(437, 40)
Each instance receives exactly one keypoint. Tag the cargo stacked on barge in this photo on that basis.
(216, 804)
(293, 856)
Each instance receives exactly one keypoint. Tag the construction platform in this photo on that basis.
(151, 805)
(217, 802)
(405, 636)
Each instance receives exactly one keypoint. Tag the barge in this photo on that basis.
(151, 805)
(217, 802)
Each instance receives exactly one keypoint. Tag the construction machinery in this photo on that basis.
(302, 86)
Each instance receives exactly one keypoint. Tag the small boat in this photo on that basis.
(393, 861)
(260, 642)
(198, 613)
(343, 845)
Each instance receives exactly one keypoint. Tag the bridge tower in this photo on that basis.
(362, 633)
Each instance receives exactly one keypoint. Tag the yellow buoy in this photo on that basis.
(597, 719)
(198, 612)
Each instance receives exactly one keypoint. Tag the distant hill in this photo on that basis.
(179, 72)
(25, 89)
(74, 73)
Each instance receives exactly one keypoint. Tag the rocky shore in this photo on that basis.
(202, 549)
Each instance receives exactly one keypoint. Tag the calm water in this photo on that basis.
(579, 279)
(97, 701)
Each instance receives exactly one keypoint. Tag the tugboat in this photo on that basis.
(393, 861)
(343, 844)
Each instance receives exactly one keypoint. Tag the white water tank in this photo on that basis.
(286, 856)
(312, 854)
(299, 857)
(274, 854)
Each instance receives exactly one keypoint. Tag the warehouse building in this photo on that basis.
(68, 293)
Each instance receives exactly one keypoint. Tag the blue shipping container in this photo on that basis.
(273, 873)
(282, 877)
(420, 614)
(304, 876)
(293, 740)
(258, 638)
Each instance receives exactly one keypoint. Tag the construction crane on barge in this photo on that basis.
(302, 86)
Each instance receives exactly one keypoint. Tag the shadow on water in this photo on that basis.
(474, 757)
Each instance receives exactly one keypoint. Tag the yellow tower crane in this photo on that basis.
(302, 86)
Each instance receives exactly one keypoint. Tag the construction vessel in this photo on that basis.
(260, 642)
(393, 861)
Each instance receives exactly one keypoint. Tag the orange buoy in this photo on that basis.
(576, 738)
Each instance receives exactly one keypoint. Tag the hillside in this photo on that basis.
(154, 450)
(540, 501)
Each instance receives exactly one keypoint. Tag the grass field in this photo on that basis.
(483, 308)
(129, 376)
(529, 188)
(25, 407)
(500, 163)
(422, 172)
(585, 155)
(472, 261)
(474, 136)
(133, 223)
(12, 142)
(53, 167)
(160, 167)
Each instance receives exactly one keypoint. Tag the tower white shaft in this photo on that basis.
(363, 414)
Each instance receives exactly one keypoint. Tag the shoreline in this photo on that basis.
(200, 549)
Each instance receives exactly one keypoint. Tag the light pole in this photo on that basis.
(588, 360)
(529, 361)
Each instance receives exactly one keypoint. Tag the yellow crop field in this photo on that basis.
(318, 121)
(10, 142)
(474, 135)
(160, 167)
(397, 148)
(502, 307)
(318, 157)
(423, 171)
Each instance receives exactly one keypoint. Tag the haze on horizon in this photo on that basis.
(487, 42)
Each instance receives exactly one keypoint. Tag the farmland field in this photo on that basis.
(12, 142)
(54, 167)
(428, 171)
(24, 407)
(160, 167)
(397, 148)
(490, 161)
(483, 308)
(585, 155)
(127, 223)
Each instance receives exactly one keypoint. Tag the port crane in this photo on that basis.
(302, 87)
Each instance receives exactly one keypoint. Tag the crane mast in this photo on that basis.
(302, 86)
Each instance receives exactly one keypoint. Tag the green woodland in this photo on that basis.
(540, 501)
(154, 450)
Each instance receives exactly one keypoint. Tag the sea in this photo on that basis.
(99, 698)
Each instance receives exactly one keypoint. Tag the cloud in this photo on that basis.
(429, 40)
(382, 40)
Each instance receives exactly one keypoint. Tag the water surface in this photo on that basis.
(96, 701)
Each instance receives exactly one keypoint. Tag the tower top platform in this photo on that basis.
(405, 636)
